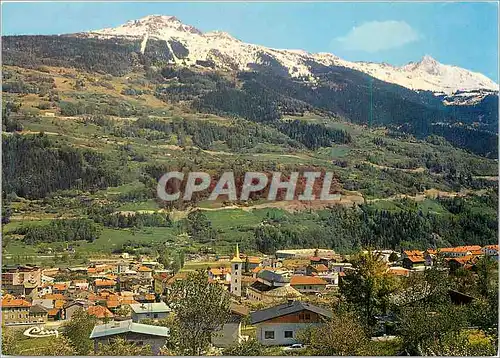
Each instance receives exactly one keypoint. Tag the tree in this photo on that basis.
(250, 347)
(423, 329)
(121, 347)
(343, 335)
(200, 307)
(393, 257)
(123, 311)
(487, 272)
(368, 286)
(78, 331)
(199, 227)
(60, 346)
(9, 342)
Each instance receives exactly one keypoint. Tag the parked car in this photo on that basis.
(295, 347)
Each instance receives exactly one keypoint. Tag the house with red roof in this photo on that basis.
(320, 270)
(104, 284)
(101, 312)
(413, 261)
(308, 284)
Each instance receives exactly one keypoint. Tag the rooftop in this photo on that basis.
(306, 280)
(114, 328)
(286, 309)
(99, 311)
(157, 307)
(15, 303)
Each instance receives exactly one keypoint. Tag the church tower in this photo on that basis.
(236, 269)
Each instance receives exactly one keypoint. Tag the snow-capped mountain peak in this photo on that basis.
(151, 25)
(227, 52)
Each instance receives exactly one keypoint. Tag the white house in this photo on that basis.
(157, 310)
(280, 324)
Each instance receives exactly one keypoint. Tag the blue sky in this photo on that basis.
(461, 34)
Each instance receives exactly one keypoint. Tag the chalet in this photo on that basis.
(410, 253)
(157, 310)
(230, 333)
(45, 302)
(464, 261)
(412, 262)
(280, 324)
(308, 284)
(140, 334)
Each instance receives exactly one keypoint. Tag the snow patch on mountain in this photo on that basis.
(230, 53)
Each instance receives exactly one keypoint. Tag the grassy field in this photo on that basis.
(232, 225)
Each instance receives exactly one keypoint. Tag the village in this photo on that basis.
(272, 297)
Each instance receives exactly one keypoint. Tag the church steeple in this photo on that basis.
(236, 257)
(236, 271)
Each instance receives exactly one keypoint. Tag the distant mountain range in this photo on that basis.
(225, 51)
(216, 73)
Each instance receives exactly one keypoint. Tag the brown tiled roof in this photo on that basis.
(53, 311)
(461, 248)
(144, 269)
(15, 303)
(463, 260)
(321, 268)
(99, 311)
(306, 280)
(413, 252)
(254, 260)
(100, 282)
(416, 258)
(59, 303)
(55, 296)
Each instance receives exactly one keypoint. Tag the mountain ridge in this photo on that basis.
(228, 52)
